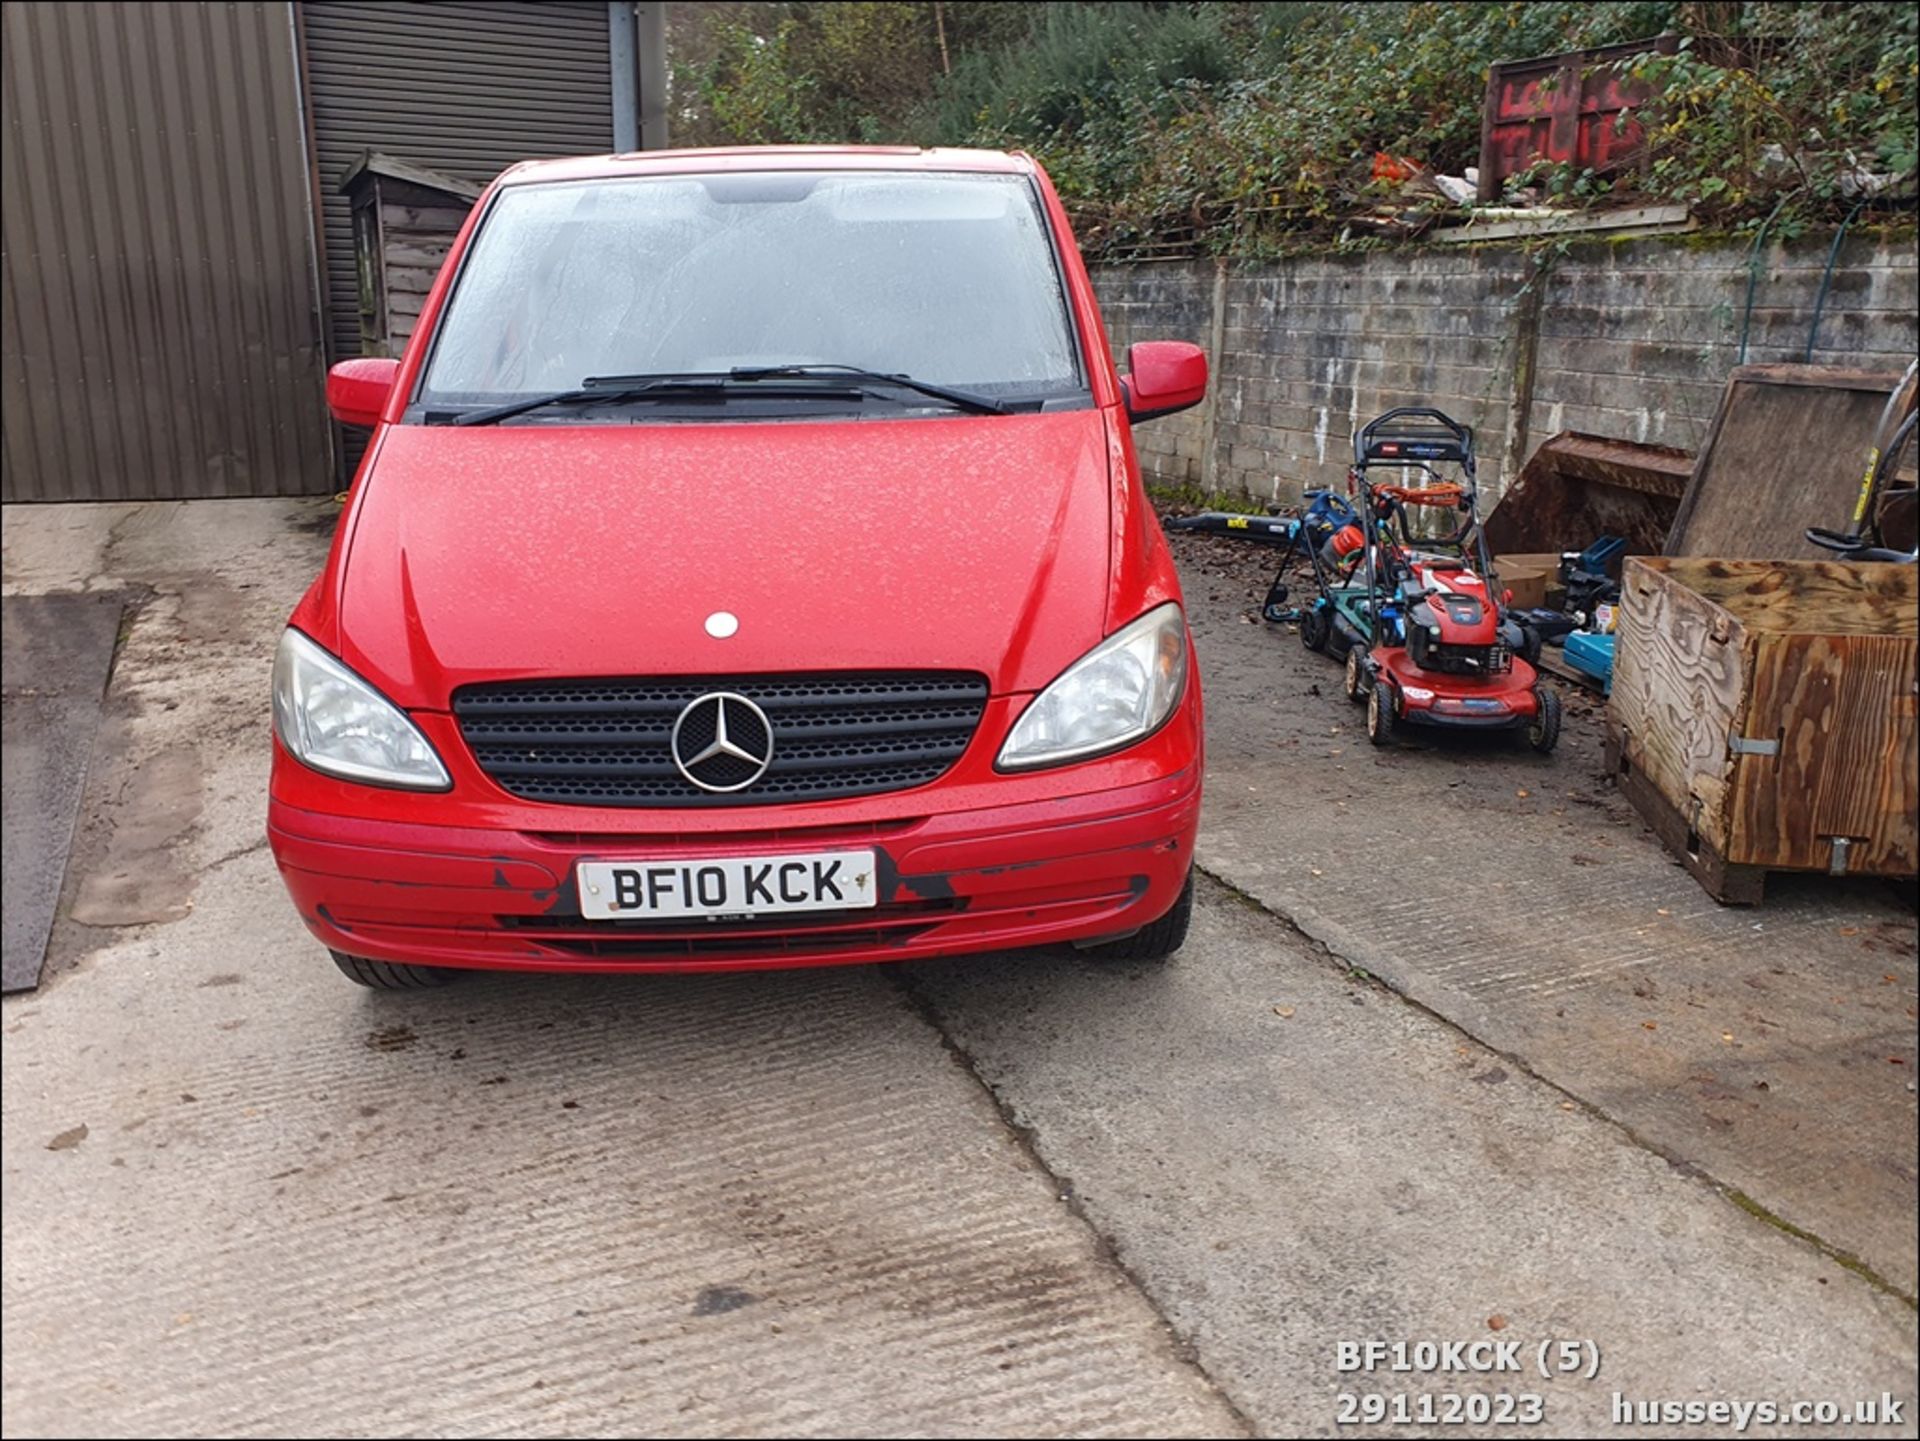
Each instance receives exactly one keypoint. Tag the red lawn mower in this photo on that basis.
(1443, 651)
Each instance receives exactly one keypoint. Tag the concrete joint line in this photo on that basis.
(1027, 1138)
(1740, 1199)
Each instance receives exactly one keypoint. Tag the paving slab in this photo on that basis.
(58, 650)
(763, 1205)
(1772, 1048)
(1289, 1158)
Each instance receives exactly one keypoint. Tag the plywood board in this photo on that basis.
(1679, 692)
(1806, 597)
(1786, 451)
(1771, 707)
(1842, 711)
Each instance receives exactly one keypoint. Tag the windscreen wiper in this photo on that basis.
(608, 389)
(960, 399)
(603, 389)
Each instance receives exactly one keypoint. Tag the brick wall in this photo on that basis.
(1631, 339)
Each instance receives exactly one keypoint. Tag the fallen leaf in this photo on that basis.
(68, 1139)
(1650, 1025)
(1849, 930)
(1496, 1323)
(1284, 1012)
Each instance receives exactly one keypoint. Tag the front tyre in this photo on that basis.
(1543, 732)
(391, 976)
(1380, 714)
(1155, 942)
(1356, 675)
(1314, 629)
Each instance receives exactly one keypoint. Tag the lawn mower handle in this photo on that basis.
(1363, 438)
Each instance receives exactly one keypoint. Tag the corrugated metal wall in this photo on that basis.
(160, 336)
(465, 89)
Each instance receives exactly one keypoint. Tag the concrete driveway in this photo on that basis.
(1021, 1195)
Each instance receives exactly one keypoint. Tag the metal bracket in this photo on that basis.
(1838, 866)
(1749, 746)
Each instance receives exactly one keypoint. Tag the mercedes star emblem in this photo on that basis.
(722, 742)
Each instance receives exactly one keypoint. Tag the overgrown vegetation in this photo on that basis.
(1242, 128)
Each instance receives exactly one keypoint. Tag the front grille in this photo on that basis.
(606, 742)
(894, 924)
(858, 938)
(719, 842)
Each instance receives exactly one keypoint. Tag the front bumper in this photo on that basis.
(1087, 851)
(1500, 702)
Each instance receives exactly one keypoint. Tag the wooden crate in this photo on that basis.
(1763, 715)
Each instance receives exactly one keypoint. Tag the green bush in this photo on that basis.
(1242, 128)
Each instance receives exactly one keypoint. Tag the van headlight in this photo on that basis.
(329, 718)
(1122, 689)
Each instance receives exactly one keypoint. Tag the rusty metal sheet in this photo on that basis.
(1578, 108)
(1578, 487)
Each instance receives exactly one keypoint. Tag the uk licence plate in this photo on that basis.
(749, 886)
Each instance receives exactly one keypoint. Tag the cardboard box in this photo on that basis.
(1534, 578)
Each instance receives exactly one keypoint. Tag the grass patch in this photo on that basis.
(1169, 495)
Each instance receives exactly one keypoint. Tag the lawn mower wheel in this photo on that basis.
(1380, 714)
(1314, 628)
(1544, 732)
(1357, 675)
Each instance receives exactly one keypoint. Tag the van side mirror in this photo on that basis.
(357, 389)
(1163, 376)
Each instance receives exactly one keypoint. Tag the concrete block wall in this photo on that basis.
(1631, 339)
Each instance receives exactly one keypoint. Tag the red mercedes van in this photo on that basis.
(749, 567)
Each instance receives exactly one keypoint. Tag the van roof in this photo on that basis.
(769, 157)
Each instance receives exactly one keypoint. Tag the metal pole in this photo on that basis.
(626, 75)
(650, 32)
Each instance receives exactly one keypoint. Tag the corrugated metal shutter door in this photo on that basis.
(465, 89)
(160, 337)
